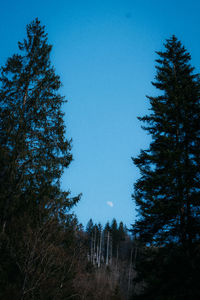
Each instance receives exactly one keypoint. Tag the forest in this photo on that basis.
(45, 252)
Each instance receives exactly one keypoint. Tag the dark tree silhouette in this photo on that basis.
(34, 152)
(167, 192)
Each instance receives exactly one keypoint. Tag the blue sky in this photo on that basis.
(104, 52)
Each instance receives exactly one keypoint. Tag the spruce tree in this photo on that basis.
(34, 152)
(34, 148)
(167, 192)
(115, 237)
(90, 228)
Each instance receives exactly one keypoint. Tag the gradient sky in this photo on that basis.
(104, 52)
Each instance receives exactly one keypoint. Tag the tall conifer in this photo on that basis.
(167, 194)
(34, 148)
(36, 234)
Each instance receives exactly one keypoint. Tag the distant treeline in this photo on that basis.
(110, 253)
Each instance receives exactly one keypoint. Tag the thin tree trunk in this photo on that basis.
(94, 252)
(117, 256)
(107, 252)
(99, 259)
(129, 273)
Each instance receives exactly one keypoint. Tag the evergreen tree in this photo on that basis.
(34, 152)
(115, 237)
(33, 138)
(90, 227)
(167, 193)
(107, 227)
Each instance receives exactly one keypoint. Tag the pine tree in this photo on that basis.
(34, 152)
(32, 129)
(115, 237)
(167, 193)
(90, 227)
